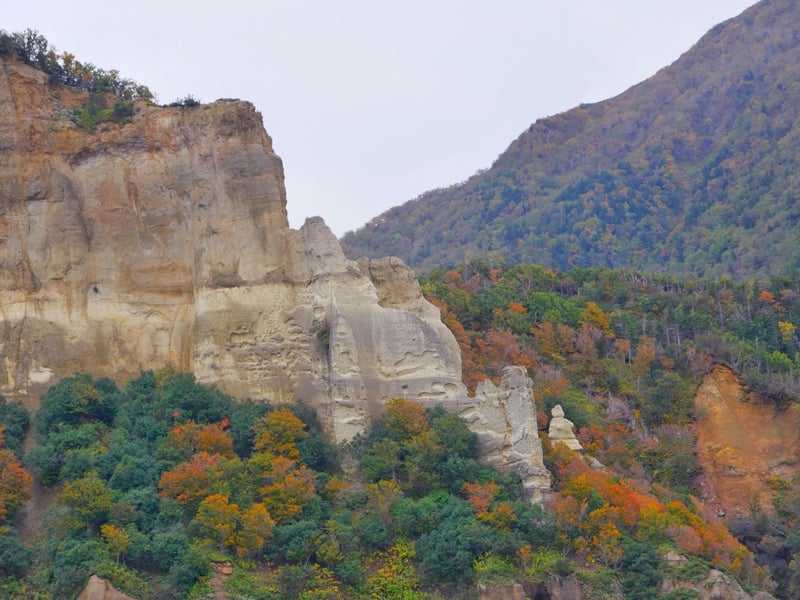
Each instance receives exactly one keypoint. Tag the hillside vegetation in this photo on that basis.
(623, 353)
(158, 479)
(691, 172)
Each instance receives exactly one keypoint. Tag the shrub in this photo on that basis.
(492, 569)
(74, 400)
(546, 563)
(188, 101)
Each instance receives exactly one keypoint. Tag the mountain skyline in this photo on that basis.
(689, 173)
(370, 104)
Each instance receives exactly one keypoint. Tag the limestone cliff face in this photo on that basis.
(107, 239)
(165, 241)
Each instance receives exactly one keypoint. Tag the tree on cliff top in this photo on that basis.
(34, 49)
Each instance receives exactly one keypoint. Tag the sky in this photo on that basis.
(370, 103)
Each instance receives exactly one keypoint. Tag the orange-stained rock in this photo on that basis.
(742, 444)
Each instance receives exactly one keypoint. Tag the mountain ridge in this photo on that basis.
(680, 173)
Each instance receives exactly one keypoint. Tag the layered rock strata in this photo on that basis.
(164, 241)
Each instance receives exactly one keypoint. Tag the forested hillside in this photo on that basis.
(159, 479)
(691, 172)
(623, 353)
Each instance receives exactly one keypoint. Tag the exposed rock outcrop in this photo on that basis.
(562, 429)
(165, 241)
(715, 586)
(555, 588)
(742, 444)
(504, 419)
(98, 588)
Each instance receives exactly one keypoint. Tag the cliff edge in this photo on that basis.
(162, 240)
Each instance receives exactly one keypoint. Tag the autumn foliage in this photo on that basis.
(15, 482)
(191, 481)
(595, 508)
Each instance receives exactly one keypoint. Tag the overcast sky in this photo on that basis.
(371, 103)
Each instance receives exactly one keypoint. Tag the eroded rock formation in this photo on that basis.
(562, 429)
(98, 588)
(504, 419)
(165, 242)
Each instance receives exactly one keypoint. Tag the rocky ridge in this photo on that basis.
(165, 242)
(504, 417)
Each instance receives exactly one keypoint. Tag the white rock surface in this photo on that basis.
(562, 429)
(504, 419)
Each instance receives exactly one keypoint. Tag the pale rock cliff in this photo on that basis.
(504, 418)
(165, 242)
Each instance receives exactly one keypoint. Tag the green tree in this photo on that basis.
(88, 499)
(642, 567)
(14, 420)
(15, 557)
(447, 553)
(181, 394)
(75, 400)
(169, 548)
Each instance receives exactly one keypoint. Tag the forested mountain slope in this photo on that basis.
(691, 172)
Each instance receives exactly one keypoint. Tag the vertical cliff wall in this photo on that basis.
(164, 241)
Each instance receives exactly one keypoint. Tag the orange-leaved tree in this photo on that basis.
(186, 439)
(278, 432)
(15, 482)
(285, 487)
(191, 481)
(481, 496)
